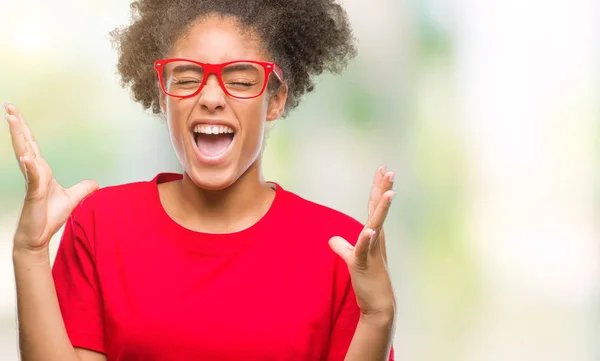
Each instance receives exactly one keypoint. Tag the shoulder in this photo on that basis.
(117, 199)
(319, 212)
(323, 219)
(113, 196)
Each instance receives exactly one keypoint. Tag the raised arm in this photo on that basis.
(47, 205)
(371, 283)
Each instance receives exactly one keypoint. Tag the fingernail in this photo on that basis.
(392, 177)
(392, 197)
(372, 234)
(6, 107)
(383, 169)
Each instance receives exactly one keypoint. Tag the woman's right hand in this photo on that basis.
(47, 204)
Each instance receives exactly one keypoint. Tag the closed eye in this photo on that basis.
(240, 83)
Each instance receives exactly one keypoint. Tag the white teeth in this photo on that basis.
(212, 129)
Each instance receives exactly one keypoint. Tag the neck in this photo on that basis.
(229, 210)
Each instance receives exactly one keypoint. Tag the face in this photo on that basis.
(216, 161)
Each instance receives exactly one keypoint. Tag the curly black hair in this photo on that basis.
(304, 37)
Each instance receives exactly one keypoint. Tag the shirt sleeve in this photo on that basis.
(344, 327)
(77, 288)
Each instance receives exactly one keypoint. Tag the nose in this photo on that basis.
(212, 97)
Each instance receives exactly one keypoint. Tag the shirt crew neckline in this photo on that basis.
(197, 239)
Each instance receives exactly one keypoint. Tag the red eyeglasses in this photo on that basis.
(242, 79)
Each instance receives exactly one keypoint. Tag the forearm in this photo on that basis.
(372, 339)
(42, 333)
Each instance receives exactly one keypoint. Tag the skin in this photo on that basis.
(224, 197)
(212, 198)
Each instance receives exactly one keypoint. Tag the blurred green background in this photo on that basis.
(488, 111)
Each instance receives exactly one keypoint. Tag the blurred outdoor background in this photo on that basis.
(488, 111)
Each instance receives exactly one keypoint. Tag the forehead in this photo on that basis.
(217, 39)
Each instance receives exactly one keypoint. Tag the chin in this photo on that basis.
(212, 179)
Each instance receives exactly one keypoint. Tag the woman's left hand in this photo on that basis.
(367, 260)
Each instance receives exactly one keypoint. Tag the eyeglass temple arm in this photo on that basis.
(278, 72)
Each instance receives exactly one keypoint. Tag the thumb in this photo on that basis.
(342, 248)
(81, 190)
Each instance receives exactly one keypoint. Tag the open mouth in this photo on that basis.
(213, 140)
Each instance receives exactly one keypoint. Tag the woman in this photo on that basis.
(215, 263)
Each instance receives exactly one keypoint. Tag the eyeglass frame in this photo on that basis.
(217, 69)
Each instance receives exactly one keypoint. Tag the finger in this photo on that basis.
(361, 250)
(379, 216)
(81, 190)
(376, 220)
(342, 248)
(376, 188)
(13, 110)
(30, 141)
(31, 148)
(386, 183)
(32, 175)
(17, 137)
(381, 243)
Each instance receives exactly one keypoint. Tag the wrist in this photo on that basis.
(32, 256)
(383, 318)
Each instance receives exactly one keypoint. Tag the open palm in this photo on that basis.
(47, 204)
(367, 260)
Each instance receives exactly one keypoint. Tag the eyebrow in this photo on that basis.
(187, 67)
(239, 66)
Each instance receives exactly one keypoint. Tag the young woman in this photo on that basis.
(215, 263)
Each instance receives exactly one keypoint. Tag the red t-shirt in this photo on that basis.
(135, 285)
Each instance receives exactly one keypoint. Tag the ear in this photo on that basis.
(277, 103)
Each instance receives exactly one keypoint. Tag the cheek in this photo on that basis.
(175, 131)
(177, 113)
(175, 108)
(249, 112)
(176, 123)
(177, 141)
(252, 118)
